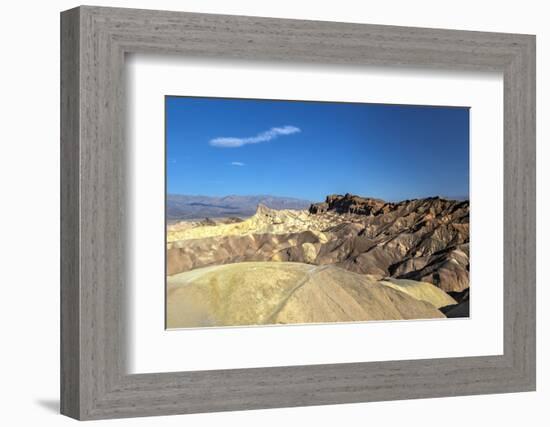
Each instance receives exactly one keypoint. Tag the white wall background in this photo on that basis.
(29, 237)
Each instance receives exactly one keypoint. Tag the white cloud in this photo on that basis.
(237, 163)
(268, 135)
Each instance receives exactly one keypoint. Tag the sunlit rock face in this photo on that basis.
(266, 293)
(424, 240)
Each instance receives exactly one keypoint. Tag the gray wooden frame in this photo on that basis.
(94, 382)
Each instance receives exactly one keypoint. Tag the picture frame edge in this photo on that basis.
(94, 384)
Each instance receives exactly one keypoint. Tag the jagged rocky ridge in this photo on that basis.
(424, 239)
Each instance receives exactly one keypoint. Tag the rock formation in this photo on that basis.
(423, 240)
(348, 204)
(261, 293)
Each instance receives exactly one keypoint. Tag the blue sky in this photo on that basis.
(217, 147)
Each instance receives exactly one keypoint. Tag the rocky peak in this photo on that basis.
(263, 210)
(348, 203)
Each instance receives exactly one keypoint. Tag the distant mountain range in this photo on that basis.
(180, 206)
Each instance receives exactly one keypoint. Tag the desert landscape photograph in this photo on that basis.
(305, 212)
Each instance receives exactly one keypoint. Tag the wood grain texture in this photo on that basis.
(70, 291)
(94, 382)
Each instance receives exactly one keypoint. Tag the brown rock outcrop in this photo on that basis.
(424, 240)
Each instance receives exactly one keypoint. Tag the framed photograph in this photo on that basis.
(262, 213)
(239, 253)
